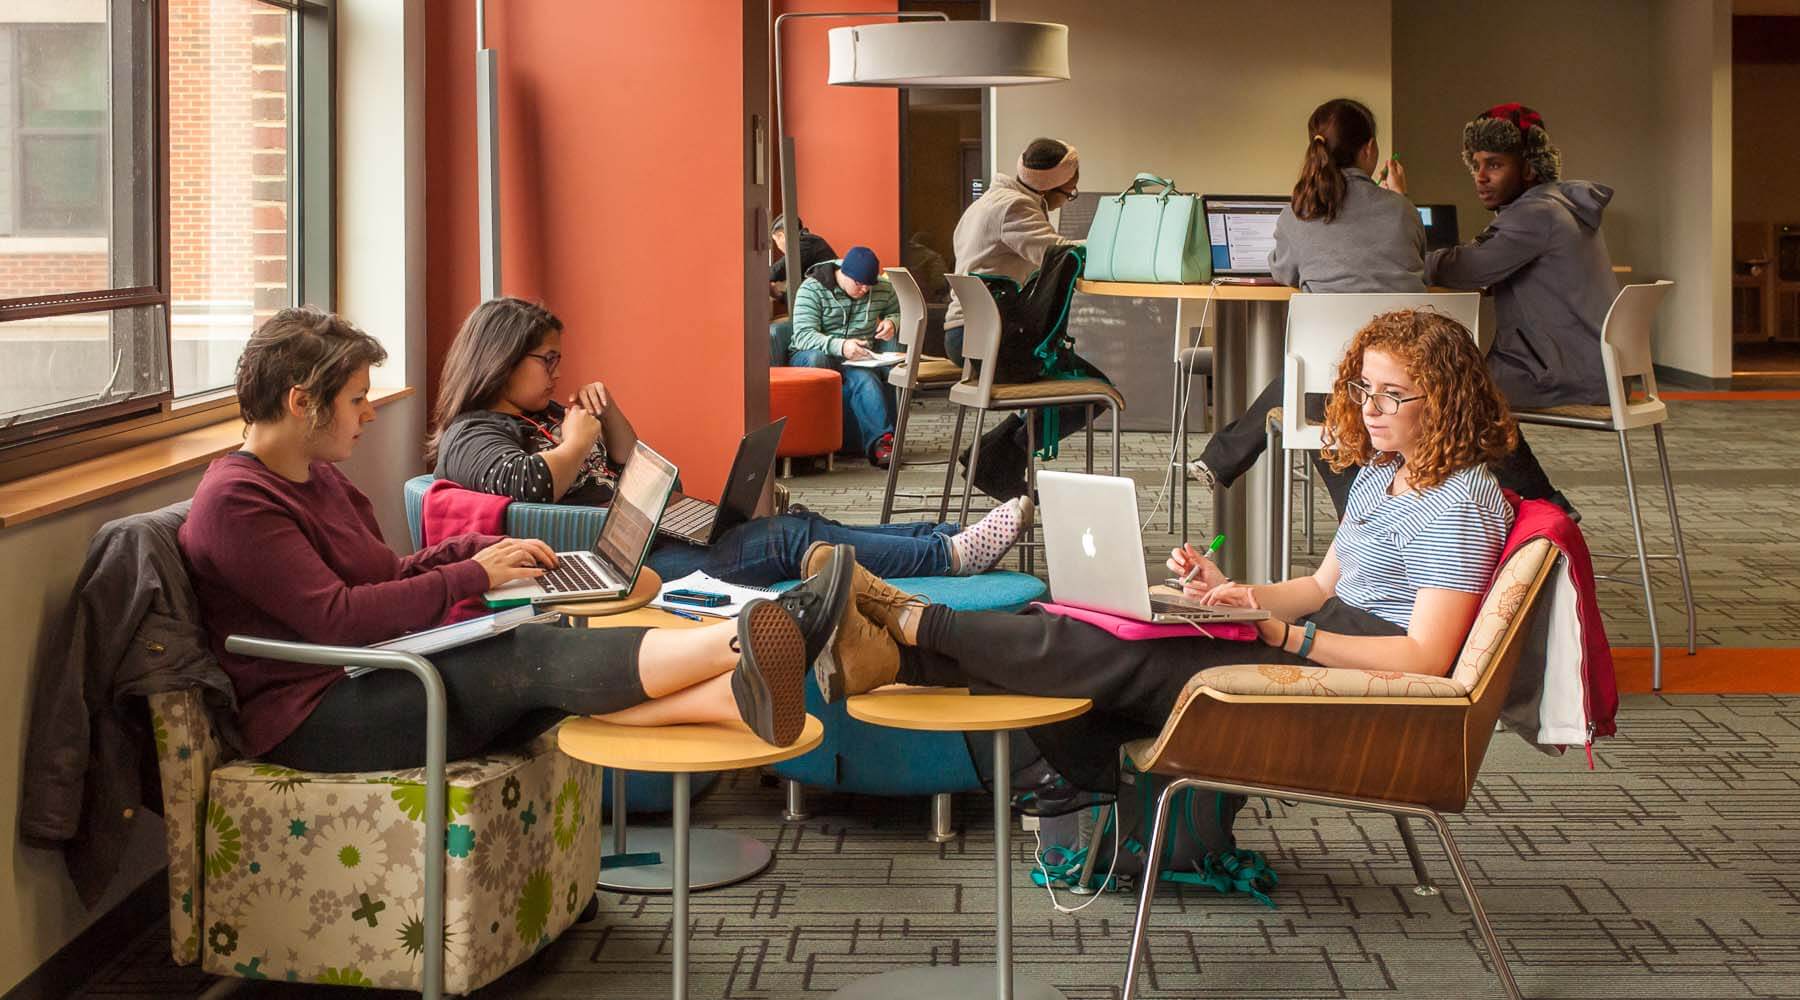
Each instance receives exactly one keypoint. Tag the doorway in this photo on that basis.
(943, 169)
(1765, 200)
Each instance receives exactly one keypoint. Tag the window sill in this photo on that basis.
(28, 499)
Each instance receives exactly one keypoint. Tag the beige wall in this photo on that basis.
(1622, 80)
(1691, 46)
(39, 911)
(1213, 95)
(1765, 183)
(1591, 79)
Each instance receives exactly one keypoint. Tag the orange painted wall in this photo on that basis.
(623, 201)
(846, 139)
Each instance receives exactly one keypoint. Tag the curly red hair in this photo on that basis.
(1463, 419)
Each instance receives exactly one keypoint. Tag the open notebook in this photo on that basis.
(740, 595)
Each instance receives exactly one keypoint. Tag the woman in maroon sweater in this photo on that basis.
(281, 545)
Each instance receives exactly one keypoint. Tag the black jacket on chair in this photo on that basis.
(132, 629)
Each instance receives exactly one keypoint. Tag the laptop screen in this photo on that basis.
(1242, 231)
(630, 526)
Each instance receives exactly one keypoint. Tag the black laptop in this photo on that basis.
(698, 522)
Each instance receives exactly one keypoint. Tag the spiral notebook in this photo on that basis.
(738, 593)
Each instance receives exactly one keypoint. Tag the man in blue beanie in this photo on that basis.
(846, 310)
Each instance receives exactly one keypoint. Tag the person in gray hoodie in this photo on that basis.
(1545, 260)
(1543, 256)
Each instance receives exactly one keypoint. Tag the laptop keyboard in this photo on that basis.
(688, 518)
(577, 573)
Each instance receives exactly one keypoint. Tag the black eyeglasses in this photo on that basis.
(551, 360)
(1385, 402)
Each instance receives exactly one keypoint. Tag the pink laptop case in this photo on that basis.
(1127, 628)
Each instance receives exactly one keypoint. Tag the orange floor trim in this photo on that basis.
(1710, 671)
(1734, 395)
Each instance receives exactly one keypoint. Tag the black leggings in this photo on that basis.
(1134, 684)
(501, 692)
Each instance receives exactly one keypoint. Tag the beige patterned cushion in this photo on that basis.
(186, 752)
(1282, 679)
(319, 877)
(1498, 609)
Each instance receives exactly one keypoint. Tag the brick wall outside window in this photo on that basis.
(228, 191)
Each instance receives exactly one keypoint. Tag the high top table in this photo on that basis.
(1251, 325)
(955, 710)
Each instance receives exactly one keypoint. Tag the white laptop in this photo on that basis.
(1095, 552)
(612, 567)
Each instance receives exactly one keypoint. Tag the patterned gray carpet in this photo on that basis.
(1672, 870)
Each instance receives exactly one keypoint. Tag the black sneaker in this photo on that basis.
(818, 603)
(1055, 796)
(769, 682)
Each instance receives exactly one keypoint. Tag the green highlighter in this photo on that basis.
(1218, 543)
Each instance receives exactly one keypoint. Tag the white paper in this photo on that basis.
(878, 361)
(436, 640)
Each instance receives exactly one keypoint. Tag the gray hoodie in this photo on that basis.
(1552, 278)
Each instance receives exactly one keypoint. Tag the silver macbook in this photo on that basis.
(611, 568)
(1095, 552)
(1241, 231)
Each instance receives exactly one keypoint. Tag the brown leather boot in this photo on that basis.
(864, 654)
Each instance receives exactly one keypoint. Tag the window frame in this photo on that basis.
(51, 442)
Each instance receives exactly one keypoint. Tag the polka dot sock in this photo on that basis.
(979, 547)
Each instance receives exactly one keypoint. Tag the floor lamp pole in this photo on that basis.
(487, 150)
(790, 189)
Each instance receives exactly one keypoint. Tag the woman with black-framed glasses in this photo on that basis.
(499, 429)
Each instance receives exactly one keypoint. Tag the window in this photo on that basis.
(164, 188)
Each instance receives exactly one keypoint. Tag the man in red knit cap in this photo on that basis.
(1546, 262)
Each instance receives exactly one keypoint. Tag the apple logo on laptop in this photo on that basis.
(1087, 543)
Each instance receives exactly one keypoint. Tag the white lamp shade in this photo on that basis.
(949, 54)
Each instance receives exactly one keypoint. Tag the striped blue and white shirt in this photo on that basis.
(1390, 547)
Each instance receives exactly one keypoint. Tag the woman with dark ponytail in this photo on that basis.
(1342, 232)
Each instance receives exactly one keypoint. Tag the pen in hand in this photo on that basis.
(1218, 543)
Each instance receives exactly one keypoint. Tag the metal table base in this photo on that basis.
(724, 858)
(962, 981)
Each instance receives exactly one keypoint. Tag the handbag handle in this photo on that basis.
(1149, 180)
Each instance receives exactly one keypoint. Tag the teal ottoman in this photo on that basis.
(873, 760)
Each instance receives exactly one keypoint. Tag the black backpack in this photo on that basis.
(1034, 331)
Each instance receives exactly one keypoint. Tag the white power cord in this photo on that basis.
(1037, 858)
(1182, 396)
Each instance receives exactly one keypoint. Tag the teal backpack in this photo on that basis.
(1198, 848)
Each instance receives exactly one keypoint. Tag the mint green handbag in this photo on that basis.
(1149, 237)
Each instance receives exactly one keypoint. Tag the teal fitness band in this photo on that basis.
(1306, 641)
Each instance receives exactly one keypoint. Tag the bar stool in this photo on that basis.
(956, 710)
(1625, 352)
(977, 391)
(679, 751)
(916, 375)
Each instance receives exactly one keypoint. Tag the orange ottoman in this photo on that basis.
(813, 401)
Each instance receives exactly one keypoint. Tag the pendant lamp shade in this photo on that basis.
(949, 54)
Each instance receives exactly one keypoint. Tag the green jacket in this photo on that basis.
(825, 317)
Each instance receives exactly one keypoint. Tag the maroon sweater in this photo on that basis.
(276, 559)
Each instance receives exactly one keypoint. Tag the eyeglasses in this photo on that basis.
(1385, 402)
(550, 359)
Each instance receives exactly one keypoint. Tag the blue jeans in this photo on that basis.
(953, 344)
(779, 332)
(869, 401)
(768, 549)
